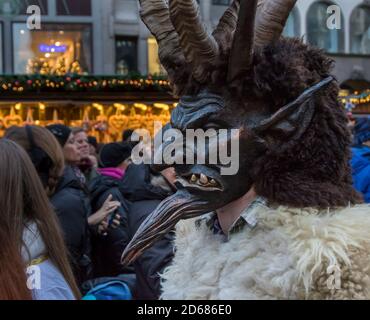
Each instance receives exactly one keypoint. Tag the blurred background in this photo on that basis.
(94, 59)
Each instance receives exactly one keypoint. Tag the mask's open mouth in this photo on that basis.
(199, 182)
(199, 178)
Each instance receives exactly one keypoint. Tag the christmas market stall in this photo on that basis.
(103, 105)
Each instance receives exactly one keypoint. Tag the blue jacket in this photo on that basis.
(361, 170)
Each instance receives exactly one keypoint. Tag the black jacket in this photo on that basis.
(145, 196)
(72, 206)
(107, 250)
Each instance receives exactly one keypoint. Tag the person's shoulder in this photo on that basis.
(52, 285)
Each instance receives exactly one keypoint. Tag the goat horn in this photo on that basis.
(199, 47)
(271, 19)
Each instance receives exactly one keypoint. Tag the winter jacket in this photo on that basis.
(361, 170)
(71, 203)
(289, 254)
(107, 250)
(146, 191)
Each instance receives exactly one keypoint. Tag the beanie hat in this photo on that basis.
(362, 131)
(60, 132)
(113, 154)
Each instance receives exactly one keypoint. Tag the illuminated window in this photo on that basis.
(319, 34)
(126, 55)
(74, 7)
(360, 30)
(54, 49)
(154, 65)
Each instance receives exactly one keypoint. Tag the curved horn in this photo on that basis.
(241, 56)
(200, 48)
(156, 16)
(271, 19)
(224, 31)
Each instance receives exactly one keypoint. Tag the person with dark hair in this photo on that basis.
(30, 235)
(109, 243)
(126, 135)
(361, 157)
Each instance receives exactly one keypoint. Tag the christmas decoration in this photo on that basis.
(60, 67)
(12, 119)
(36, 83)
(75, 68)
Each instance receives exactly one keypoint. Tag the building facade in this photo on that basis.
(107, 36)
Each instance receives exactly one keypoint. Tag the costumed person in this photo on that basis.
(361, 157)
(288, 224)
(33, 257)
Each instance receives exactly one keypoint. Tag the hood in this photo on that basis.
(140, 183)
(102, 184)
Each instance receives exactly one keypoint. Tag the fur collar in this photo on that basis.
(286, 256)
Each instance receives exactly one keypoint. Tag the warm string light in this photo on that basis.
(82, 83)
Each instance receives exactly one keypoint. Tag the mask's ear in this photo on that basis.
(290, 122)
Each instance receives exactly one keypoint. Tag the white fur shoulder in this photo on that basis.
(291, 254)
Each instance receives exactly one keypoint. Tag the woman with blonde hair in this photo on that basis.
(29, 234)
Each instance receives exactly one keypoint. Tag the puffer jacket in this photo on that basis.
(361, 170)
(71, 203)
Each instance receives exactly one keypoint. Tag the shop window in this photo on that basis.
(74, 7)
(319, 34)
(154, 65)
(360, 30)
(56, 49)
(126, 55)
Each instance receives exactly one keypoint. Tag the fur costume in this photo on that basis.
(313, 241)
(285, 257)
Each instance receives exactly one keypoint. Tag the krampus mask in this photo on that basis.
(293, 139)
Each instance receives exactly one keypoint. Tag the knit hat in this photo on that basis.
(60, 132)
(362, 131)
(113, 154)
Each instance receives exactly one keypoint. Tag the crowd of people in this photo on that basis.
(71, 206)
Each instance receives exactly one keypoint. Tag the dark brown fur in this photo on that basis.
(312, 172)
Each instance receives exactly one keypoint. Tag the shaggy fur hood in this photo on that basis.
(291, 254)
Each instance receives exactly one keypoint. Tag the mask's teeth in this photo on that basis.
(203, 179)
(213, 183)
(193, 178)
